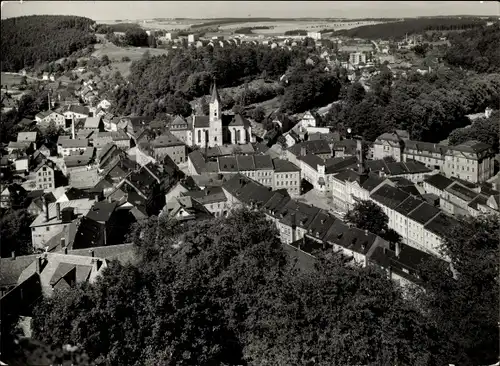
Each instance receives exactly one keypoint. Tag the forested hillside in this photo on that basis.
(398, 30)
(429, 106)
(30, 40)
(476, 49)
(186, 74)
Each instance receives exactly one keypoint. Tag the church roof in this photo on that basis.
(238, 120)
(215, 94)
(201, 121)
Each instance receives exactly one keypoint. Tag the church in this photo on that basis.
(213, 130)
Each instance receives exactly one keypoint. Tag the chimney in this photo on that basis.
(65, 250)
(13, 255)
(58, 211)
(91, 251)
(398, 249)
(332, 153)
(303, 151)
(63, 245)
(46, 208)
(96, 197)
(39, 261)
(366, 232)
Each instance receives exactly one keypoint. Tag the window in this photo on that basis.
(47, 228)
(44, 169)
(199, 135)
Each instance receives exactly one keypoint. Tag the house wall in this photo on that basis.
(382, 149)
(288, 180)
(185, 136)
(264, 177)
(58, 119)
(468, 167)
(66, 151)
(41, 234)
(339, 193)
(176, 153)
(217, 209)
(45, 178)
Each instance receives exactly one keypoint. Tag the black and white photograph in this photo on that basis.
(250, 183)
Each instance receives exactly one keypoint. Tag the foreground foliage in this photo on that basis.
(223, 292)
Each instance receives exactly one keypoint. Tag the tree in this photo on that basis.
(105, 60)
(466, 299)
(258, 114)
(16, 232)
(204, 106)
(136, 37)
(367, 215)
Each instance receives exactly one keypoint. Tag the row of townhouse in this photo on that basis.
(304, 228)
(420, 224)
(472, 161)
(274, 173)
(462, 198)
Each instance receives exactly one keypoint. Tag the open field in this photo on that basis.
(280, 27)
(10, 79)
(116, 53)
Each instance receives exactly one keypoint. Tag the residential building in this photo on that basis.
(320, 148)
(75, 112)
(94, 123)
(169, 145)
(51, 116)
(45, 175)
(67, 146)
(10, 195)
(213, 199)
(78, 162)
(54, 217)
(286, 175)
(355, 58)
(186, 209)
(471, 161)
(27, 137)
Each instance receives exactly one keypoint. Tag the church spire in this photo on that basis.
(215, 93)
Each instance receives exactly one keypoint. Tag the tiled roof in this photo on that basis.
(228, 164)
(312, 160)
(239, 120)
(312, 147)
(166, 140)
(81, 206)
(284, 166)
(101, 211)
(462, 192)
(26, 136)
(201, 122)
(438, 181)
(11, 269)
(92, 122)
(441, 224)
(208, 195)
(334, 165)
(408, 205)
(472, 146)
(78, 109)
(263, 162)
(70, 143)
(423, 213)
(389, 196)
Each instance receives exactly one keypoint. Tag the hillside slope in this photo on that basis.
(30, 40)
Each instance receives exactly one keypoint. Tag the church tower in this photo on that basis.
(215, 118)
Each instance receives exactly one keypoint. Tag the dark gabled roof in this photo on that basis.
(441, 224)
(372, 182)
(312, 147)
(408, 205)
(423, 213)
(101, 211)
(208, 195)
(166, 140)
(11, 269)
(334, 165)
(389, 196)
(197, 160)
(263, 162)
(260, 148)
(201, 121)
(438, 181)
(312, 160)
(284, 166)
(61, 271)
(228, 164)
(462, 192)
(239, 120)
(245, 163)
(246, 190)
(320, 224)
(347, 176)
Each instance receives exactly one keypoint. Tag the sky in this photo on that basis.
(132, 10)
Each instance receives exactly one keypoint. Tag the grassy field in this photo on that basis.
(9, 80)
(116, 54)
